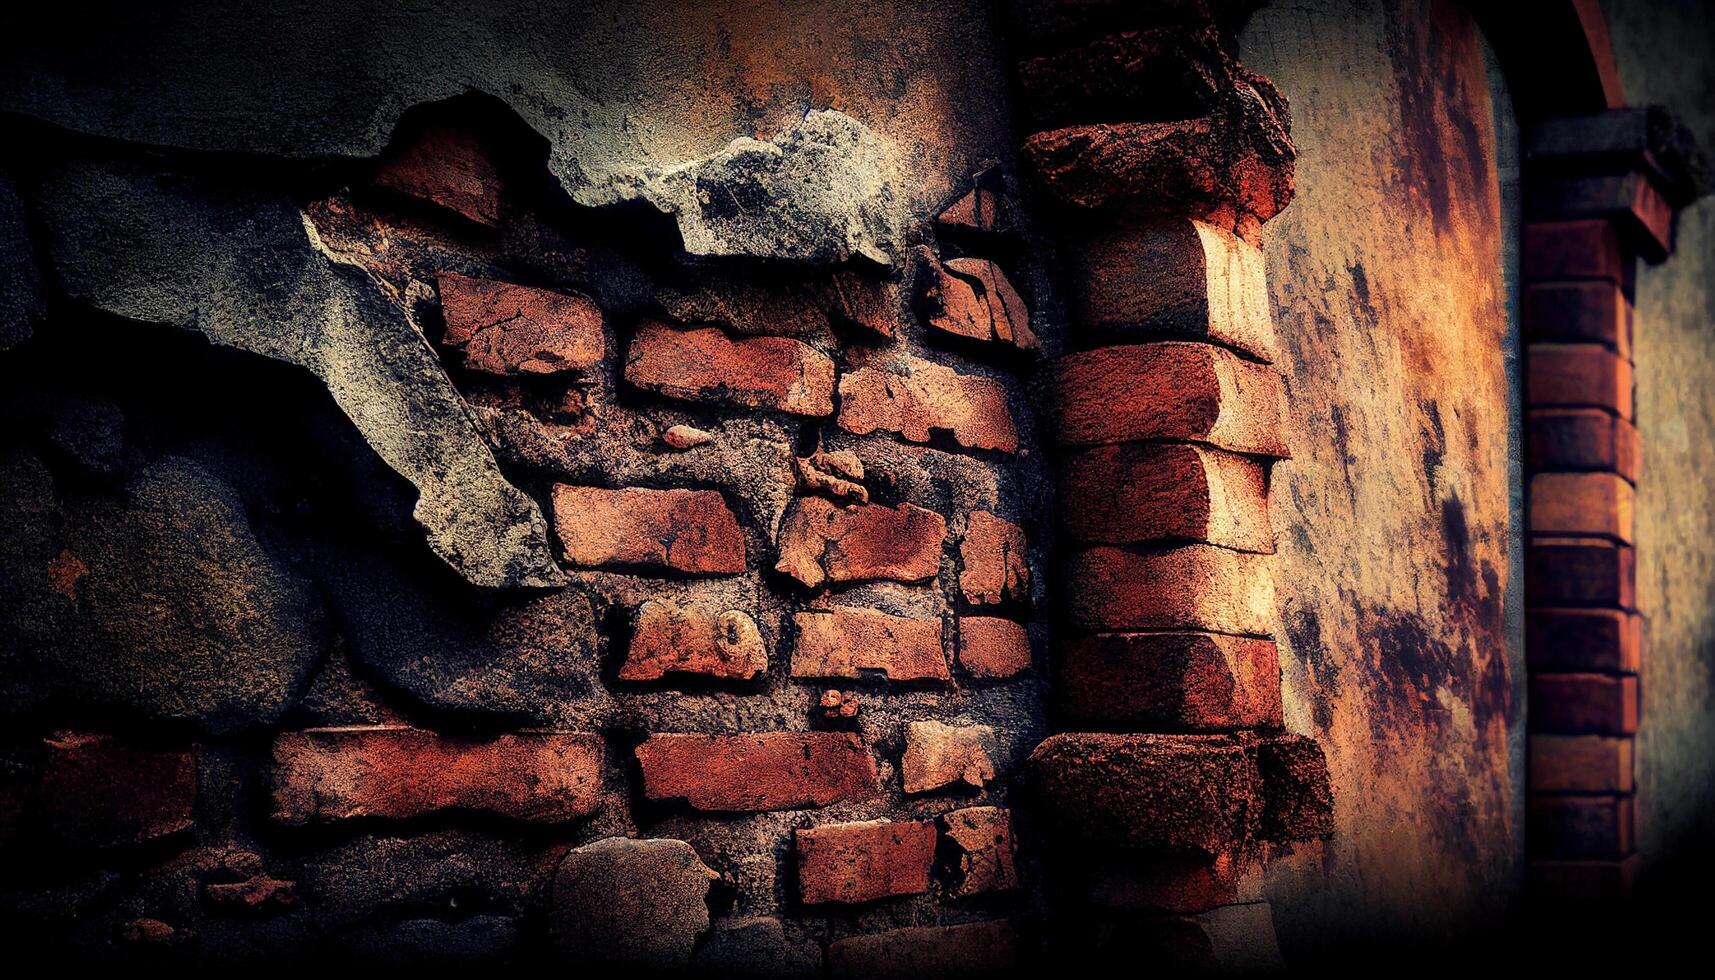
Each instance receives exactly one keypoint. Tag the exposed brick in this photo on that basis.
(329, 774)
(1181, 884)
(938, 756)
(97, 791)
(837, 475)
(861, 862)
(1606, 640)
(971, 950)
(921, 398)
(1298, 796)
(1579, 312)
(1579, 826)
(1174, 792)
(994, 561)
(146, 932)
(759, 771)
(507, 329)
(1570, 439)
(692, 531)
(821, 541)
(1166, 279)
(256, 893)
(983, 853)
(972, 298)
(846, 641)
(1138, 492)
(669, 638)
(1584, 572)
(1580, 764)
(1582, 503)
(991, 648)
(1171, 681)
(976, 211)
(1179, 391)
(633, 903)
(1578, 375)
(705, 365)
(1574, 250)
(449, 167)
(1583, 882)
(1196, 587)
(1598, 704)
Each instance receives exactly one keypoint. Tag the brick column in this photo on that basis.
(1601, 191)
(1172, 776)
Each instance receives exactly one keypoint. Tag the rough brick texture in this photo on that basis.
(1169, 681)
(449, 167)
(991, 648)
(669, 638)
(1582, 439)
(691, 531)
(1196, 587)
(983, 851)
(852, 863)
(336, 774)
(938, 756)
(1582, 572)
(705, 365)
(994, 561)
(917, 399)
(1139, 492)
(821, 541)
(972, 299)
(99, 791)
(846, 641)
(1582, 503)
(504, 328)
(1177, 391)
(764, 771)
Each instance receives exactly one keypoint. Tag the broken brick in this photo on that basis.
(821, 541)
(995, 562)
(258, 892)
(1178, 391)
(451, 168)
(847, 641)
(1139, 492)
(991, 648)
(705, 365)
(1176, 681)
(924, 398)
(972, 298)
(757, 772)
(937, 756)
(507, 329)
(670, 638)
(97, 791)
(838, 475)
(861, 862)
(980, 838)
(691, 531)
(331, 774)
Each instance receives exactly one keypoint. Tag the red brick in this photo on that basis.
(705, 365)
(1196, 587)
(671, 638)
(983, 853)
(976, 211)
(1579, 312)
(1578, 375)
(507, 329)
(1582, 882)
(1172, 681)
(449, 167)
(1298, 796)
(1574, 250)
(1178, 884)
(760, 771)
(692, 531)
(821, 541)
(1571, 439)
(972, 299)
(1139, 492)
(1136, 281)
(861, 862)
(256, 893)
(1605, 640)
(847, 641)
(395, 773)
(97, 791)
(1598, 704)
(1582, 504)
(837, 475)
(1178, 391)
(1580, 764)
(1175, 792)
(994, 561)
(991, 648)
(1579, 826)
(971, 950)
(1583, 572)
(917, 398)
(938, 756)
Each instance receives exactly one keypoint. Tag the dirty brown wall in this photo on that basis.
(1398, 510)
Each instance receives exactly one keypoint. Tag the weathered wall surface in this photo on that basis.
(1663, 55)
(1395, 511)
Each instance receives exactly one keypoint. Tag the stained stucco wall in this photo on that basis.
(1396, 514)
(1663, 50)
